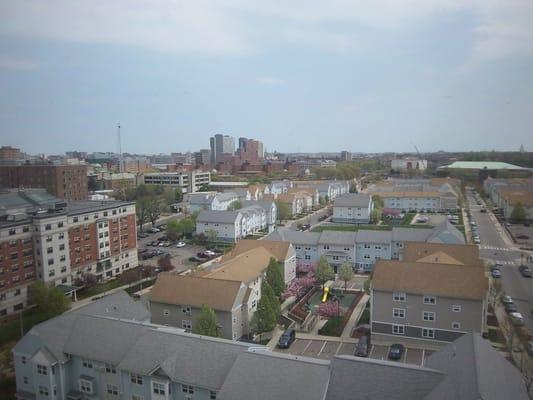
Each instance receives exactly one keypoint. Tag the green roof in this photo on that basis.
(482, 165)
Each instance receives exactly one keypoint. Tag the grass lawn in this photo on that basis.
(333, 327)
(100, 288)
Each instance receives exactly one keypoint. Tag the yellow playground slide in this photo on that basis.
(325, 295)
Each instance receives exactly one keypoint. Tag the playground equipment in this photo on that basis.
(325, 294)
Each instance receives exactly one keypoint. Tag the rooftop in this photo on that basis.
(483, 165)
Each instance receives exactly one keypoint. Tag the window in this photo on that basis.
(136, 397)
(75, 219)
(398, 329)
(166, 312)
(398, 296)
(212, 395)
(456, 325)
(25, 379)
(138, 379)
(326, 247)
(428, 333)
(60, 224)
(43, 391)
(186, 310)
(42, 369)
(112, 389)
(47, 227)
(187, 389)
(61, 236)
(428, 316)
(110, 369)
(12, 231)
(85, 386)
(49, 250)
(430, 300)
(61, 247)
(87, 363)
(456, 308)
(23, 359)
(186, 324)
(398, 312)
(158, 388)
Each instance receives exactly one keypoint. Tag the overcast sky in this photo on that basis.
(310, 75)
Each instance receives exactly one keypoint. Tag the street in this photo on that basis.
(494, 248)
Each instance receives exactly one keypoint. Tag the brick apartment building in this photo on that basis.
(43, 238)
(10, 153)
(68, 182)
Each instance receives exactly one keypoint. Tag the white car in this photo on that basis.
(210, 253)
(517, 318)
(507, 300)
(180, 244)
(154, 230)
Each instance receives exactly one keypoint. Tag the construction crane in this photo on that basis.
(120, 166)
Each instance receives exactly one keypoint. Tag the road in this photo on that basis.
(494, 248)
(312, 219)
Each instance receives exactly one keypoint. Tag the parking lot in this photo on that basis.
(326, 349)
(432, 219)
(179, 256)
(522, 234)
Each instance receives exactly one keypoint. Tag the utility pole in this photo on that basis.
(120, 166)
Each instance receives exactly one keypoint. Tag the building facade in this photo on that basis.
(353, 209)
(189, 182)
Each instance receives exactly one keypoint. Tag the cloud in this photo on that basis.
(18, 64)
(270, 81)
(499, 28)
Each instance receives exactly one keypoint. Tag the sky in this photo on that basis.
(302, 76)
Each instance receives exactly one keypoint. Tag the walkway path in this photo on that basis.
(356, 314)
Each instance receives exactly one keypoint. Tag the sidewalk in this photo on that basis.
(356, 314)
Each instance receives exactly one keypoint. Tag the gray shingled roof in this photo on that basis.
(475, 371)
(294, 237)
(201, 198)
(400, 234)
(337, 237)
(361, 378)
(117, 305)
(260, 376)
(352, 200)
(224, 217)
(372, 236)
(446, 233)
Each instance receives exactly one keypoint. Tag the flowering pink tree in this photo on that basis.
(330, 309)
(297, 286)
(303, 267)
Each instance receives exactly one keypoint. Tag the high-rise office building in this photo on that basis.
(221, 144)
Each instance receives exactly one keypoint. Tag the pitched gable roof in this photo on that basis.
(278, 249)
(244, 267)
(219, 294)
(466, 254)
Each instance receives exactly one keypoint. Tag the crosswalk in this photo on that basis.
(493, 261)
(485, 247)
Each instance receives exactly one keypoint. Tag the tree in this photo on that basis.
(211, 235)
(264, 318)
(366, 286)
(153, 209)
(346, 273)
(518, 214)
(188, 226)
(378, 202)
(165, 263)
(236, 205)
(274, 276)
(50, 301)
(375, 215)
(283, 210)
(174, 231)
(268, 293)
(206, 323)
(324, 272)
(204, 188)
(322, 201)
(141, 207)
(178, 195)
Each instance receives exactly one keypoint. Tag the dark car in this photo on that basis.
(362, 349)
(396, 351)
(201, 254)
(510, 307)
(525, 271)
(286, 339)
(195, 259)
(496, 273)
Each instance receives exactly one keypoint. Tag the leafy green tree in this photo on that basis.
(153, 209)
(188, 225)
(206, 323)
(366, 286)
(518, 214)
(274, 276)
(324, 272)
(141, 210)
(283, 210)
(346, 273)
(268, 293)
(211, 235)
(375, 216)
(236, 205)
(378, 202)
(178, 195)
(322, 201)
(50, 301)
(174, 230)
(204, 188)
(265, 318)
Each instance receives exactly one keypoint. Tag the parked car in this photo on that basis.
(396, 351)
(517, 318)
(507, 300)
(496, 273)
(362, 348)
(525, 271)
(210, 253)
(154, 230)
(511, 307)
(524, 237)
(202, 255)
(196, 259)
(476, 240)
(286, 339)
(180, 244)
(530, 348)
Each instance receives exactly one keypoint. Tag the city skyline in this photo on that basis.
(444, 75)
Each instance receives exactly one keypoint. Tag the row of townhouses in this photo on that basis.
(432, 296)
(417, 194)
(231, 226)
(108, 350)
(353, 208)
(47, 239)
(231, 287)
(362, 248)
(507, 193)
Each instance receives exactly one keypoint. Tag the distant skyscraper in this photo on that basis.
(346, 156)
(221, 144)
(522, 150)
(250, 150)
